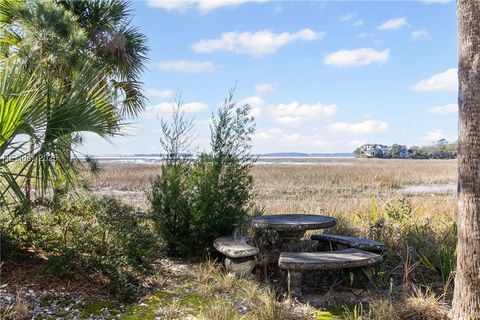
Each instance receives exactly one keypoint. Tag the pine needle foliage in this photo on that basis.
(197, 199)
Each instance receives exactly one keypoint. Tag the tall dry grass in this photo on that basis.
(330, 189)
(367, 199)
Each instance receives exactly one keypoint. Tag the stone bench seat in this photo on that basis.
(240, 256)
(235, 247)
(352, 242)
(329, 260)
(296, 262)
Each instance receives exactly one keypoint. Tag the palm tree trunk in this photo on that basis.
(466, 300)
(28, 179)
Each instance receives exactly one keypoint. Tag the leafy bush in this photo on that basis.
(171, 208)
(399, 210)
(198, 199)
(436, 253)
(83, 235)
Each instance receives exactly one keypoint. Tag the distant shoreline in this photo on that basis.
(292, 155)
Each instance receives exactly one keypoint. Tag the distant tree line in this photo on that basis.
(442, 149)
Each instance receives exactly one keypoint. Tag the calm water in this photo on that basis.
(315, 161)
(433, 188)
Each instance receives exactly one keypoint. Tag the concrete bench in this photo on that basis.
(239, 255)
(296, 262)
(351, 242)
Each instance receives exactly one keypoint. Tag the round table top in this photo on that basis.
(293, 222)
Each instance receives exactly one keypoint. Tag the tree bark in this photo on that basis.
(466, 300)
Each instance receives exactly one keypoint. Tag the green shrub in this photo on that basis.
(171, 191)
(435, 249)
(399, 210)
(171, 208)
(85, 235)
(122, 281)
(198, 199)
(97, 228)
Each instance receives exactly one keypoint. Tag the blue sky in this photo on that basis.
(320, 76)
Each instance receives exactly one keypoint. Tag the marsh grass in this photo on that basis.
(366, 198)
(319, 189)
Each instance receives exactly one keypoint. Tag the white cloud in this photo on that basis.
(436, 1)
(264, 88)
(130, 129)
(204, 6)
(290, 140)
(364, 127)
(419, 34)
(295, 113)
(166, 108)
(358, 23)
(255, 102)
(268, 134)
(277, 8)
(445, 109)
(186, 66)
(171, 5)
(356, 58)
(160, 94)
(348, 16)
(356, 143)
(434, 136)
(276, 134)
(393, 24)
(443, 81)
(254, 43)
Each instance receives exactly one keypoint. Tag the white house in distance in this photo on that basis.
(374, 150)
(382, 151)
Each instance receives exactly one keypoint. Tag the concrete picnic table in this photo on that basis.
(292, 227)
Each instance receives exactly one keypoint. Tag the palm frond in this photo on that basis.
(49, 117)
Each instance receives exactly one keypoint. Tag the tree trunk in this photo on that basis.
(28, 178)
(466, 300)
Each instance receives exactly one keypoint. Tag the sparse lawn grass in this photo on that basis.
(206, 292)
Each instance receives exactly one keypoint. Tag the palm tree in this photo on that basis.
(60, 35)
(42, 36)
(116, 45)
(466, 300)
(56, 38)
(31, 108)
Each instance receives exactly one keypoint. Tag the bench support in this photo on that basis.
(294, 282)
(242, 267)
(290, 239)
